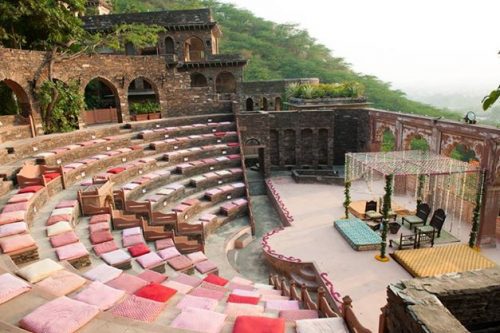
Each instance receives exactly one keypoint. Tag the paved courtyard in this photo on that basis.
(312, 237)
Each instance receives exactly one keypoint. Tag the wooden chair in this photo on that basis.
(423, 211)
(405, 241)
(427, 234)
(371, 211)
(152, 233)
(121, 220)
(166, 220)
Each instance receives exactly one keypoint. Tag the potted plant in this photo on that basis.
(394, 227)
(138, 112)
(153, 110)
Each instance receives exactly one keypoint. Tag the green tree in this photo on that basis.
(388, 141)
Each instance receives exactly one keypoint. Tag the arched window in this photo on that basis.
(169, 45)
(265, 105)
(194, 49)
(419, 143)
(102, 102)
(388, 141)
(277, 104)
(198, 80)
(225, 83)
(249, 104)
(143, 99)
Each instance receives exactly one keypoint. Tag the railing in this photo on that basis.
(245, 178)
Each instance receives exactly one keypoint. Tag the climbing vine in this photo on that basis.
(60, 105)
(477, 211)
(385, 213)
(347, 200)
(421, 182)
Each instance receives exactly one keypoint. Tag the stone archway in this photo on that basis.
(194, 49)
(103, 102)
(198, 80)
(143, 99)
(225, 83)
(277, 104)
(265, 104)
(15, 112)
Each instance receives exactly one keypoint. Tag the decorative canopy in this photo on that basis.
(409, 162)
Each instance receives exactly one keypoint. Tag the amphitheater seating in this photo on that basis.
(30, 175)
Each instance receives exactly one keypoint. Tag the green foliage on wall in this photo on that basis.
(8, 103)
(462, 153)
(144, 108)
(60, 105)
(278, 51)
(388, 141)
(419, 143)
(325, 90)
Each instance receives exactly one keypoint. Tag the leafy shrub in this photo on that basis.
(325, 90)
(145, 107)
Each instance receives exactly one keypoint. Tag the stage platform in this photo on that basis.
(441, 260)
(357, 208)
(359, 236)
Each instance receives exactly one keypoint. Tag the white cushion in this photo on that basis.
(322, 325)
(39, 270)
(103, 273)
(58, 228)
(131, 231)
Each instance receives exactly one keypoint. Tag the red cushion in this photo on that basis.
(214, 279)
(138, 250)
(220, 134)
(51, 175)
(234, 157)
(156, 292)
(232, 144)
(116, 170)
(253, 324)
(242, 299)
(30, 189)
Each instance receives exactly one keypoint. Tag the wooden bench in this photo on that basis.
(31, 174)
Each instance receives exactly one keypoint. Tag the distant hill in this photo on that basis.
(278, 51)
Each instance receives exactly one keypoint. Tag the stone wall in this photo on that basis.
(28, 69)
(462, 302)
(260, 93)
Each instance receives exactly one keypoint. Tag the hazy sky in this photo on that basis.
(418, 45)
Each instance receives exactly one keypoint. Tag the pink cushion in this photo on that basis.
(64, 239)
(169, 253)
(208, 293)
(129, 283)
(16, 242)
(101, 237)
(116, 257)
(138, 308)
(152, 276)
(197, 257)
(67, 204)
(190, 301)
(105, 247)
(13, 229)
(164, 243)
(293, 315)
(149, 260)
(11, 286)
(60, 315)
(212, 286)
(180, 263)
(20, 197)
(180, 287)
(234, 310)
(132, 240)
(98, 227)
(100, 218)
(6, 218)
(30, 189)
(100, 295)
(205, 266)
(190, 280)
(62, 283)
(58, 218)
(233, 286)
(71, 251)
(199, 320)
(131, 231)
(282, 305)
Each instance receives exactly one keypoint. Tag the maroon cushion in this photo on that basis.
(138, 250)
